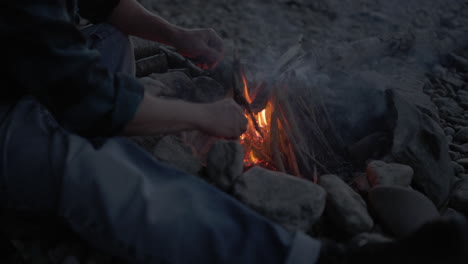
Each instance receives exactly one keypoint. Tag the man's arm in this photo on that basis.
(203, 45)
(155, 115)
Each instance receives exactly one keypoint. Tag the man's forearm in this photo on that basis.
(133, 19)
(160, 116)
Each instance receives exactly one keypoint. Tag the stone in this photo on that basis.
(459, 148)
(225, 163)
(178, 84)
(361, 183)
(208, 90)
(457, 168)
(295, 203)
(459, 199)
(171, 150)
(345, 208)
(153, 87)
(420, 143)
(71, 260)
(452, 213)
(462, 135)
(399, 210)
(449, 131)
(382, 173)
(455, 155)
(449, 139)
(369, 238)
(463, 162)
(448, 106)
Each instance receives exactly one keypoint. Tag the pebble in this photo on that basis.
(449, 139)
(462, 135)
(457, 168)
(459, 148)
(455, 155)
(71, 260)
(463, 162)
(449, 131)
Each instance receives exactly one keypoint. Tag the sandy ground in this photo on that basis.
(254, 24)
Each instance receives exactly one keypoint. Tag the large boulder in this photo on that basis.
(419, 142)
(295, 203)
(401, 211)
(345, 208)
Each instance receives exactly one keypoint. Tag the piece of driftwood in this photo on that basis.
(153, 64)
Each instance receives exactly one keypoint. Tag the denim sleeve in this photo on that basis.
(47, 57)
(96, 11)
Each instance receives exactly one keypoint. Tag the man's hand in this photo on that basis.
(223, 119)
(204, 46)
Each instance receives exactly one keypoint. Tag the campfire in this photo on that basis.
(273, 138)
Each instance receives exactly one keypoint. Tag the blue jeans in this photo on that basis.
(121, 200)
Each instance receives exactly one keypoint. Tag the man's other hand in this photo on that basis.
(204, 46)
(224, 119)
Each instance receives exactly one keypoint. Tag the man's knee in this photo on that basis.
(115, 47)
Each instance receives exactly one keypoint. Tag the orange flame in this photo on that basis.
(251, 139)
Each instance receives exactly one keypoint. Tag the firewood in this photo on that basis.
(153, 64)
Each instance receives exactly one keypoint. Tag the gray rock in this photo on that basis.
(401, 211)
(462, 135)
(457, 168)
(208, 90)
(448, 106)
(225, 163)
(449, 131)
(369, 238)
(71, 260)
(420, 142)
(463, 162)
(290, 201)
(449, 139)
(171, 150)
(459, 148)
(178, 85)
(459, 199)
(361, 183)
(454, 155)
(382, 173)
(345, 208)
(451, 213)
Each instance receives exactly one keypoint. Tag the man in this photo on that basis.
(63, 106)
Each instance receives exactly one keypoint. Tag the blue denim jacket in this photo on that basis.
(46, 56)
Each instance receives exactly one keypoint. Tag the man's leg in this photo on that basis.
(120, 199)
(115, 47)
